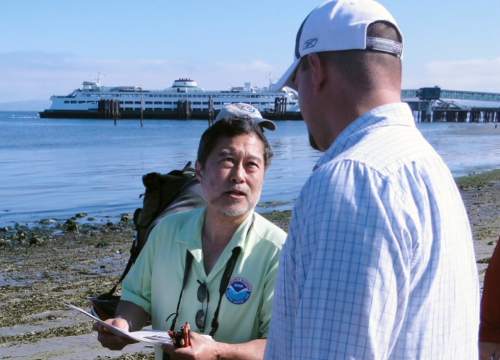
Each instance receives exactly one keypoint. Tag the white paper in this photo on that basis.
(149, 336)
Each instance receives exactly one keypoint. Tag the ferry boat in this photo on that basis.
(183, 100)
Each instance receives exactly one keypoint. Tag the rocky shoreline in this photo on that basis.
(71, 260)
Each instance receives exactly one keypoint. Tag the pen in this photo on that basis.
(186, 334)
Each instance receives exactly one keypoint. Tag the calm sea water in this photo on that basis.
(55, 168)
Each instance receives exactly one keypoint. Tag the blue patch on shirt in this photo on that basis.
(238, 291)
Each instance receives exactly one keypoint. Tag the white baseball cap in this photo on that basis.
(338, 25)
(244, 111)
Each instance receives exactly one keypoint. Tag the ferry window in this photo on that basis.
(150, 95)
(197, 103)
(157, 102)
(73, 102)
(66, 102)
(252, 96)
(137, 102)
(129, 102)
(149, 102)
(121, 102)
(216, 103)
(205, 103)
(81, 102)
(169, 95)
(168, 102)
(255, 103)
(257, 96)
(90, 102)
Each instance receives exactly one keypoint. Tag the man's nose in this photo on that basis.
(238, 173)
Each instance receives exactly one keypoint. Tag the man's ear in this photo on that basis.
(197, 169)
(317, 71)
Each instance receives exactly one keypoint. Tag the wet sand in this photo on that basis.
(49, 262)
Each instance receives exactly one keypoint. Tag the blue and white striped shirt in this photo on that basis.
(379, 262)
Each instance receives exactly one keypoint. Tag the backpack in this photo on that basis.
(177, 191)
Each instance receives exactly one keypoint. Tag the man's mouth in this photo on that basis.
(236, 194)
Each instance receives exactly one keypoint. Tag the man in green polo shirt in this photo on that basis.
(231, 252)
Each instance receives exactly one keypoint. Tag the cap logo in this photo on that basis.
(297, 39)
(309, 43)
(246, 108)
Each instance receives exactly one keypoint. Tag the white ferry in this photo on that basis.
(167, 104)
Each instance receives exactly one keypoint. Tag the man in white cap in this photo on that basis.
(379, 260)
(212, 267)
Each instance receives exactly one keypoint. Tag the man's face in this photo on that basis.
(233, 174)
(304, 86)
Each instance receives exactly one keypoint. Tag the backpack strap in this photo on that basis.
(133, 257)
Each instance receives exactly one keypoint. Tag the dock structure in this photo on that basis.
(433, 104)
(429, 104)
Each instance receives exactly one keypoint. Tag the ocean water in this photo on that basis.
(55, 168)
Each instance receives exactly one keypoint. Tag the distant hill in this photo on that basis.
(28, 105)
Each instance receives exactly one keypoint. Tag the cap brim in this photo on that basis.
(268, 124)
(287, 78)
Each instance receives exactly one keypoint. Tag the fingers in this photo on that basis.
(109, 340)
(112, 342)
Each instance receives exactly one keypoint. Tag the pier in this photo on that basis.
(429, 104)
(434, 104)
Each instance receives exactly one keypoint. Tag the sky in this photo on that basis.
(48, 47)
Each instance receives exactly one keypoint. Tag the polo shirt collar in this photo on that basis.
(191, 236)
(390, 114)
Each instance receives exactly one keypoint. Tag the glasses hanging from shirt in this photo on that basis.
(204, 294)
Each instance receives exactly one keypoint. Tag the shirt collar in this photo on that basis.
(191, 236)
(390, 114)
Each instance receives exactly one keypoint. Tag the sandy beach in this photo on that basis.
(57, 261)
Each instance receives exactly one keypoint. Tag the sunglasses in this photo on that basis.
(201, 314)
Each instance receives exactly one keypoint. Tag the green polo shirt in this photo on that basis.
(155, 281)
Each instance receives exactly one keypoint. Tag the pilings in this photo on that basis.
(280, 104)
(486, 115)
(109, 109)
(183, 110)
(211, 112)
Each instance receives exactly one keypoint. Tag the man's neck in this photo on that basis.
(218, 230)
(346, 107)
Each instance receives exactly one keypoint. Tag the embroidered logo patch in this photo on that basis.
(238, 291)
(246, 108)
(310, 43)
